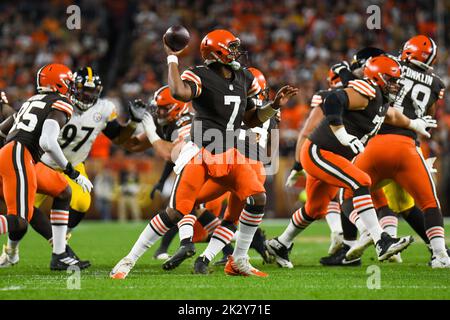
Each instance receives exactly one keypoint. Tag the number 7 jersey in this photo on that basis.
(78, 135)
(219, 105)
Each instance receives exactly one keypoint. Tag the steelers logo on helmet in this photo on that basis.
(87, 88)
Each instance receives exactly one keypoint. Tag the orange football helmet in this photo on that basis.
(55, 77)
(221, 46)
(264, 93)
(333, 79)
(419, 48)
(168, 109)
(385, 72)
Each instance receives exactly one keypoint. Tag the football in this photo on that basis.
(177, 37)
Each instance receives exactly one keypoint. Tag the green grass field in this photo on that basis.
(105, 243)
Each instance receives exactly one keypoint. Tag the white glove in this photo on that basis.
(293, 177)
(349, 140)
(338, 67)
(84, 183)
(150, 128)
(430, 162)
(421, 125)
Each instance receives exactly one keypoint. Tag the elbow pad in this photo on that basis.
(334, 106)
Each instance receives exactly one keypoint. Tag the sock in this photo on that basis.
(333, 217)
(389, 225)
(249, 220)
(354, 218)
(227, 250)
(157, 227)
(349, 229)
(362, 203)
(416, 220)
(75, 218)
(434, 224)
(3, 224)
(299, 222)
(209, 221)
(220, 240)
(167, 239)
(59, 219)
(186, 227)
(41, 223)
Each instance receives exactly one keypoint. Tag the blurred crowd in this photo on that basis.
(291, 41)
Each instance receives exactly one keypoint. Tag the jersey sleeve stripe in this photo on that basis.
(63, 108)
(441, 94)
(363, 88)
(190, 76)
(64, 104)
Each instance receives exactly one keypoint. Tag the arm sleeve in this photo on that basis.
(346, 76)
(49, 142)
(112, 129)
(166, 172)
(334, 106)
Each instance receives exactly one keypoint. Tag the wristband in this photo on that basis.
(70, 171)
(297, 166)
(266, 112)
(172, 58)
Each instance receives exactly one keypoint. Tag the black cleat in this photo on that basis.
(387, 246)
(72, 254)
(184, 251)
(280, 252)
(258, 244)
(339, 259)
(201, 265)
(63, 261)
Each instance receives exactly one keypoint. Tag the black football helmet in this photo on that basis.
(87, 88)
(360, 57)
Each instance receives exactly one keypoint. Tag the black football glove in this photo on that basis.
(338, 67)
(137, 110)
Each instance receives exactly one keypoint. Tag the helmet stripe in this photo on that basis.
(430, 59)
(38, 75)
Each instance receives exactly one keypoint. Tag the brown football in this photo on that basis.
(177, 37)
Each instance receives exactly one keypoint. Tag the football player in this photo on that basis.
(421, 88)
(358, 108)
(31, 132)
(221, 93)
(91, 116)
(253, 143)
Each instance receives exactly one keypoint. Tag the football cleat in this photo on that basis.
(440, 260)
(337, 240)
(9, 257)
(258, 244)
(339, 259)
(387, 246)
(63, 261)
(122, 268)
(280, 252)
(242, 267)
(222, 261)
(396, 258)
(357, 250)
(201, 265)
(184, 251)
